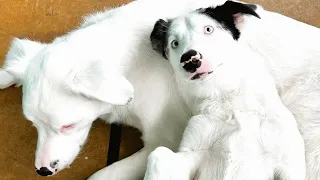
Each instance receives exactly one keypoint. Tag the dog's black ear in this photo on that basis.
(232, 8)
(226, 14)
(159, 37)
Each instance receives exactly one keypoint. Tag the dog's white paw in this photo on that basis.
(129, 100)
(119, 91)
(163, 164)
(6, 79)
(159, 164)
(123, 94)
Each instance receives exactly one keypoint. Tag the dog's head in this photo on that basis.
(61, 98)
(198, 43)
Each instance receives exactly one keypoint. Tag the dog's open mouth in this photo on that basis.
(198, 75)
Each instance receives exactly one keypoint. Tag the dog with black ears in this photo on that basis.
(241, 128)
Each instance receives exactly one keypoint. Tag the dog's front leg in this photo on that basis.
(130, 168)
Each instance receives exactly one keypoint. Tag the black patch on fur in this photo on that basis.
(159, 36)
(224, 14)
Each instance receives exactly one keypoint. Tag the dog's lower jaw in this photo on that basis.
(199, 75)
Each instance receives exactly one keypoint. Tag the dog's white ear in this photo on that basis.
(17, 60)
(92, 82)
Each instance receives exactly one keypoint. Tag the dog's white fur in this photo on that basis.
(241, 129)
(115, 43)
(83, 75)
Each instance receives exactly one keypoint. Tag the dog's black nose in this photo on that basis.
(43, 171)
(188, 55)
(192, 66)
(191, 61)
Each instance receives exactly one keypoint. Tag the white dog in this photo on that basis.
(70, 82)
(241, 130)
(93, 72)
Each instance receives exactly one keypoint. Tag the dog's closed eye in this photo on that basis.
(67, 127)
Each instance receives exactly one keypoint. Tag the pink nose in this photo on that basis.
(204, 68)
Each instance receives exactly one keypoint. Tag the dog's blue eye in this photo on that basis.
(174, 44)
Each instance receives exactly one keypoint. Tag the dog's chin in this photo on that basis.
(204, 75)
(201, 76)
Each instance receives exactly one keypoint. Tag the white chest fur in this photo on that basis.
(244, 125)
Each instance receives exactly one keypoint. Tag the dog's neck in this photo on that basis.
(244, 87)
(200, 94)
